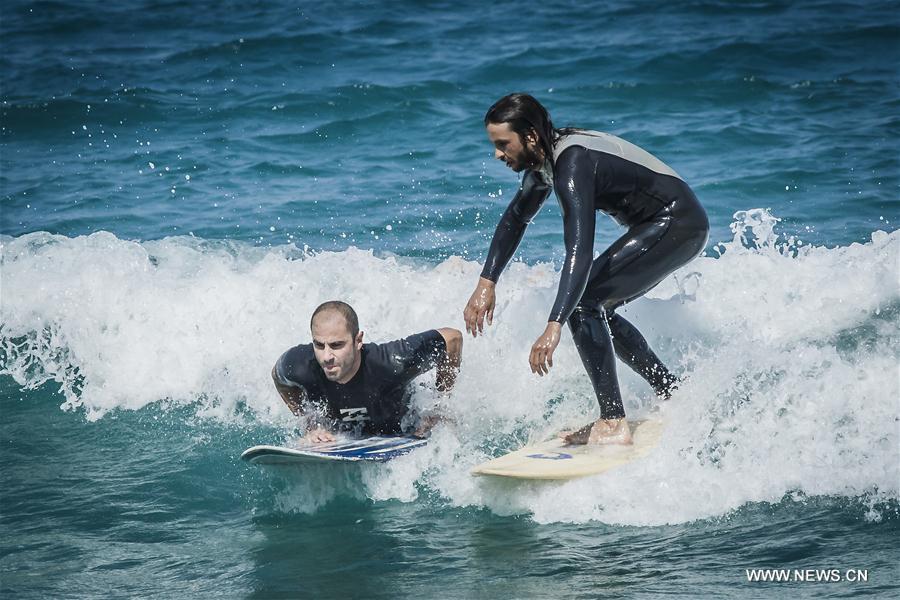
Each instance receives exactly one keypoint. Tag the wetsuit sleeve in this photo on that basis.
(291, 368)
(575, 181)
(414, 355)
(525, 204)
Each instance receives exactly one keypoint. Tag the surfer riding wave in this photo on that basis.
(591, 171)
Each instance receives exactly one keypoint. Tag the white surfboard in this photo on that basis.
(375, 448)
(554, 459)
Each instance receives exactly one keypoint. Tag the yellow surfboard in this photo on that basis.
(553, 459)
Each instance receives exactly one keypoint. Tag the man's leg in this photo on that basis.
(591, 335)
(595, 346)
(633, 350)
(629, 268)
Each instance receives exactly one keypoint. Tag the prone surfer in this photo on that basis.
(591, 171)
(337, 382)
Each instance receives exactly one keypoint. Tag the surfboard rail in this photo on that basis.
(372, 449)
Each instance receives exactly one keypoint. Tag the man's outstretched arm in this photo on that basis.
(524, 206)
(295, 398)
(292, 396)
(448, 367)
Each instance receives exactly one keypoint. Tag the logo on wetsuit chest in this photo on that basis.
(352, 415)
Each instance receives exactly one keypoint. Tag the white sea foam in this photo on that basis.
(791, 354)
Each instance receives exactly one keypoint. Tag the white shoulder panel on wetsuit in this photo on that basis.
(610, 144)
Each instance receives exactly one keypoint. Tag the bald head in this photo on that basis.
(337, 340)
(335, 308)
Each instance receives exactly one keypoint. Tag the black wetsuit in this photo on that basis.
(377, 398)
(667, 227)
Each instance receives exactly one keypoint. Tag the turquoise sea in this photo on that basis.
(182, 183)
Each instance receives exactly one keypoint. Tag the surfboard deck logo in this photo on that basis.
(372, 449)
(552, 456)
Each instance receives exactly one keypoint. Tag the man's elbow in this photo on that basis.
(286, 392)
(453, 339)
(275, 379)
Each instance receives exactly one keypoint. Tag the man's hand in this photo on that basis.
(319, 436)
(481, 305)
(541, 358)
(426, 424)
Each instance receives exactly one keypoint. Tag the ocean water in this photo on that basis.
(182, 183)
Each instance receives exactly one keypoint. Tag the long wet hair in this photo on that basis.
(524, 113)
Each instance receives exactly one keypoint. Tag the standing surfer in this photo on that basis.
(591, 171)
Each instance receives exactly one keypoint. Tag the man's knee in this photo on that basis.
(614, 320)
(587, 323)
(584, 312)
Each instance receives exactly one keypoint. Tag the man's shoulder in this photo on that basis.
(586, 139)
(300, 351)
(607, 147)
(298, 363)
(411, 339)
(394, 355)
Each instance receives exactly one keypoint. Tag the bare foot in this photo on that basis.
(603, 431)
(579, 436)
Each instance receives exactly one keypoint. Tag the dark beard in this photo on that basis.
(531, 159)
